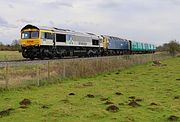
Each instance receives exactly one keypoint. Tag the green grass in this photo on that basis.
(152, 84)
(10, 55)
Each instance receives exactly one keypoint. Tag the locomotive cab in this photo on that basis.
(36, 42)
(30, 36)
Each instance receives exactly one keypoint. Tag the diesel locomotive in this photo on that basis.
(44, 42)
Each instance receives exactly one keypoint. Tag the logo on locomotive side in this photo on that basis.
(70, 39)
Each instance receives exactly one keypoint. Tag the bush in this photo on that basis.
(173, 48)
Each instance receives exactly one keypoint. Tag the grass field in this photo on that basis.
(142, 93)
(10, 55)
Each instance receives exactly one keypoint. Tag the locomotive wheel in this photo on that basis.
(51, 56)
(42, 57)
(32, 58)
(24, 53)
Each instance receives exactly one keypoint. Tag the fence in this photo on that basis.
(52, 71)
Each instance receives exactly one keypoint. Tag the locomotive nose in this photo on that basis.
(30, 42)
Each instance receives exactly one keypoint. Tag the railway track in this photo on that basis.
(18, 62)
(45, 61)
(27, 61)
(37, 61)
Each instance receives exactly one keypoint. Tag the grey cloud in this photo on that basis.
(174, 2)
(3, 22)
(109, 4)
(11, 5)
(27, 21)
(57, 4)
(51, 23)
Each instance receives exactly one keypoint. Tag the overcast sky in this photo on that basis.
(153, 21)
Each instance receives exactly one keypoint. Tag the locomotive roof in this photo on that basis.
(42, 28)
(115, 38)
(59, 30)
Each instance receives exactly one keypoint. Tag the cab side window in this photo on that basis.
(47, 36)
(42, 35)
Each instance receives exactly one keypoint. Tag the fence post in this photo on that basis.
(97, 64)
(38, 75)
(48, 69)
(109, 67)
(64, 70)
(6, 75)
(82, 68)
(153, 56)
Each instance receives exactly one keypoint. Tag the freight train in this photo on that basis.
(44, 42)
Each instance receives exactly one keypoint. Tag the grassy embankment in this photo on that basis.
(10, 55)
(142, 93)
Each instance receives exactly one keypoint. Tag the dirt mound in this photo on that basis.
(173, 118)
(45, 106)
(6, 112)
(177, 97)
(158, 63)
(153, 104)
(132, 97)
(134, 104)
(24, 103)
(108, 103)
(117, 73)
(121, 104)
(104, 99)
(129, 73)
(112, 108)
(118, 93)
(138, 100)
(6, 98)
(88, 84)
(90, 96)
(71, 94)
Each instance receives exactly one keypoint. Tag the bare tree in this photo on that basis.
(15, 45)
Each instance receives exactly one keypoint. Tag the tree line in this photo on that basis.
(173, 47)
(14, 46)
